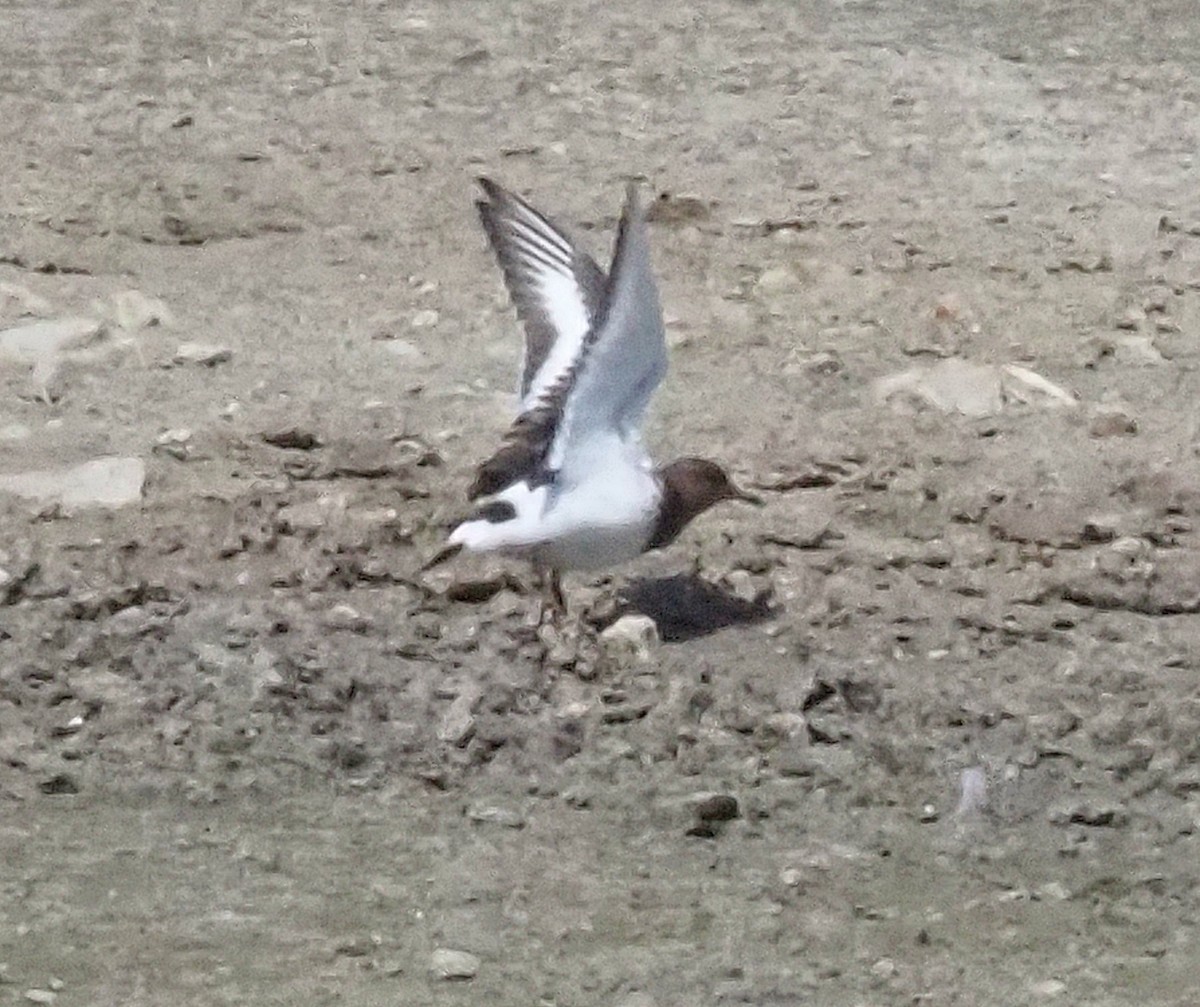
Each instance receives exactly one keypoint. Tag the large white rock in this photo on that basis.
(970, 389)
(41, 343)
(102, 482)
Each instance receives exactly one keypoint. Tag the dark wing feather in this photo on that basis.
(525, 453)
(556, 288)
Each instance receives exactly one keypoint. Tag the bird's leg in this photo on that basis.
(557, 598)
(554, 605)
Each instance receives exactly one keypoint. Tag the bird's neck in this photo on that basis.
(674, 513)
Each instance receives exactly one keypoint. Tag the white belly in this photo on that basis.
(595, 545)
(599, 523)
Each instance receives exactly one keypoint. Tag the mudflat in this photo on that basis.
(924, 729)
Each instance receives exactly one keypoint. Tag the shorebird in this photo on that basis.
(572, 487)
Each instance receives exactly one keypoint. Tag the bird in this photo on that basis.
(572, 487)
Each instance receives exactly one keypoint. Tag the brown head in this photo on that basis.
(690, 487)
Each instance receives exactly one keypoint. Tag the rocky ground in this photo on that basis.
(923, 730)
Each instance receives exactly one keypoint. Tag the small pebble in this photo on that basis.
(1055, 890)
(885, 968)
(972, 791)
(493, 815)
(458, 724)
(777, 278)
(716, 808)
(347, 617)
(41, 996)
(202, 354)
(1048, 988)
(405, 350)
(134, 310)
(631, 634)
(446, 963)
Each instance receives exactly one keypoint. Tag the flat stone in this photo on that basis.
(347, 617)
(972, 791)
(491, 814)
(202, 354)
(407, 351)
(102, 482)
(951, 386)
(776, 279)
(1048, 988)
(41, 343)
(447, 963)
(32, 341)
(1023, 385)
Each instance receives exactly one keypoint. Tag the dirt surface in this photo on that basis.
(926, 729)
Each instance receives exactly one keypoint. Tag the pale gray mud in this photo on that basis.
(932, 280)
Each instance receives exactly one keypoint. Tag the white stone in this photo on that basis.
(1048, 988)
(885, 968)
(973, 795)
(1024, 385)
(37, 339)
(205, 354)
(975, 390)
(446, 963)
(407, 351)
(41, 343)
(347, 617)
(631, 634)
(777, 279)
(1138, 351)
(952, 386)
(102, 482)
(791, 876)
(135, 310)
(1055, 890)
(458, 724)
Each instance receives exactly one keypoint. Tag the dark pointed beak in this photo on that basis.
(750, 498)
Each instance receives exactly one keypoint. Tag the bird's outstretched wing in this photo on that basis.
(556, 287)
(624, 356)
(618, 361)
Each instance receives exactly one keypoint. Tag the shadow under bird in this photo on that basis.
(572, 486)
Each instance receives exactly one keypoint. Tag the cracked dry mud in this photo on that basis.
(926, 729)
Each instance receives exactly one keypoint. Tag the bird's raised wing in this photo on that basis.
(556, 287)
(623, 358)
(601, 394)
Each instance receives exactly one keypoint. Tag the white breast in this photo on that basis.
(602, 520)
